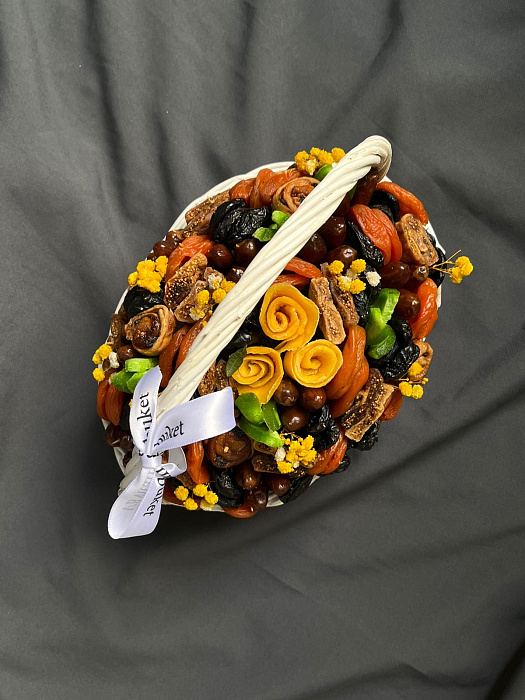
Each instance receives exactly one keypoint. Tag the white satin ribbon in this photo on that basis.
(137, 509)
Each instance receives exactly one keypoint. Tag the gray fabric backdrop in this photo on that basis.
(403, 577)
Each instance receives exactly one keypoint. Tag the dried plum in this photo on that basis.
(246, 335)
(328, 437)
(233, 222)
(230, 495)
(253, 317)
(368, 440)
(362, 306)
(402, 330)
(400, 362)
(437, 276)
(297, 488)
(388, 200)
(364, 246)
(318, 421)
(386, 210)
(345, 462)
(139, 299)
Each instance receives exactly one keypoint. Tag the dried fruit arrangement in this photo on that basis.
(327, 352)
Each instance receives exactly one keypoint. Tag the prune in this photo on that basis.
(314, 250)
(253, 317)
(232, 221)
(229, 494)
(124, 418)
(400, 362)
(246, 335)
(318, 421)
(402, 330)
(364, 246)
(139, 299)
(388, 200)
(297, 488)
(386, 210)
(368, 440)
(362, 306)
(437, 276)
(345, 462)
(294, 418)
(328, 437)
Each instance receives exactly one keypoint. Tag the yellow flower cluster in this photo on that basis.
(101, 353)
(221, 291)
(310, 162)
(300, 452)
(350, 282)
(410, 386)
(462, 268)
(98, 374)
(349, 285)
(209, 499)
(411, 390)
(149, 274)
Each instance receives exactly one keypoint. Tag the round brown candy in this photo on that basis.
(344, 253)
(333, 232)
(235, 274)
(286, 393)
(395, 274)
(220, 258)
(408, 305)
(278, 483)
(312, 399)
(294, 418)
(164, 248)
(246, 476)
(246, 250)
(314, 250)
(126, 352)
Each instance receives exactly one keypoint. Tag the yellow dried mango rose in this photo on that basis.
(315, 364)
(288, 316)
(261, 372)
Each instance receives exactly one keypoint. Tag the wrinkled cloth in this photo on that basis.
(402, 577)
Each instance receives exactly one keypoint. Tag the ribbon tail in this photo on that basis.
(137, 509)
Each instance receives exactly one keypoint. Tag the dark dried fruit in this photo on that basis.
(345, 462)
(399, 363)
(333, 231)
(297, 488)
(246, 335)
(328, 437)
(364, 246)
(385, 210)
(368, 440)
(402, 330)
(232, 222)
(286, 393)
(294, 418)
(388, 200)
(139, 299)
(229, 494)
(318, 421)
(278, 483)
